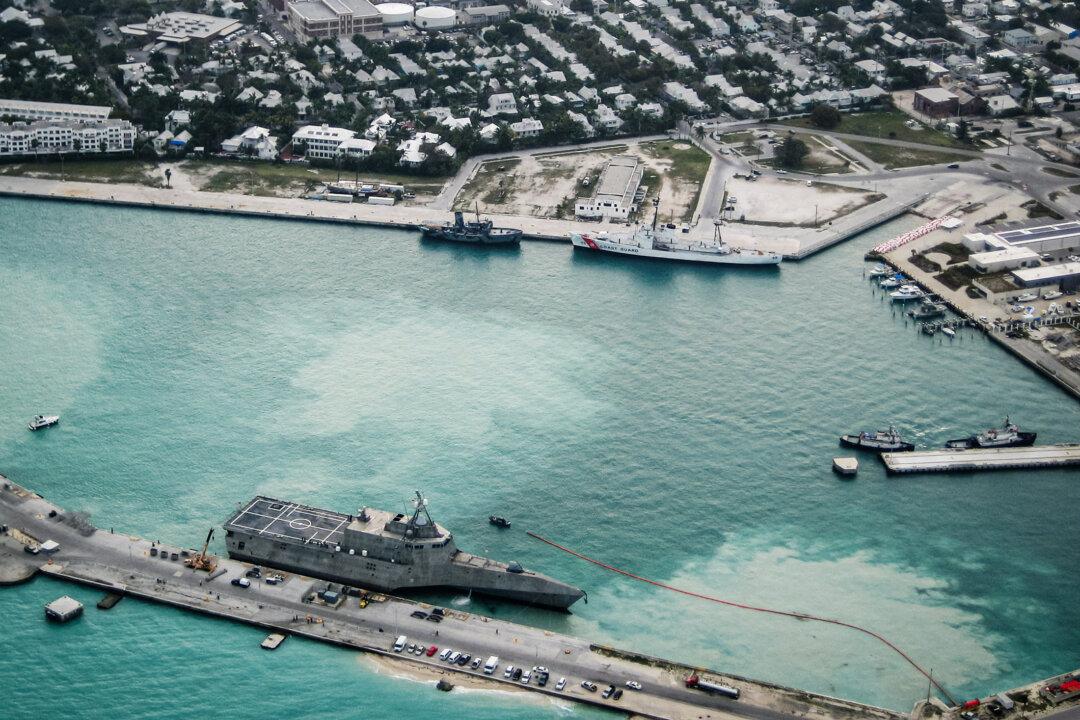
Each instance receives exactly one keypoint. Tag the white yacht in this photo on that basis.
(40, 422)
(905, 293)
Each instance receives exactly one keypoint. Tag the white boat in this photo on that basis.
(40, 422)
(948, 331)
(663, 243)
(1053, 295)
(905, 293)
(878, 271)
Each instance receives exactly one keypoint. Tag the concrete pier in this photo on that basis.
(1039, 456)
(123, 564)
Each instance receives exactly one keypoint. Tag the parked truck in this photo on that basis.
(711, 686)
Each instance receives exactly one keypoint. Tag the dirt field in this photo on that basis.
(777, 201)
(547, 185)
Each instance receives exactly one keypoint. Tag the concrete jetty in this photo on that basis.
(123, 564)
(1028, 458)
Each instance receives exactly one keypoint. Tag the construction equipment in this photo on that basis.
(201, 560)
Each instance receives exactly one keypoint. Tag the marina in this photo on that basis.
(979, 459)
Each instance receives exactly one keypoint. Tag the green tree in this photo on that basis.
(792, 152)
(825, 116)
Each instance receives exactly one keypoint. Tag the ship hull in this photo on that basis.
(854, 441)
(1024, 439)
(462, 571)
(737, 257)
(509, 237)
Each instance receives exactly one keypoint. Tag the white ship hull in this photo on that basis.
(731, 257)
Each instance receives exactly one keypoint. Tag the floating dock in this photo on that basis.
(63, 609)
(845, 466)
(1015, 458)
(272, 641)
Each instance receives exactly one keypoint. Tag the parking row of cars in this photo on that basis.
(512, 673)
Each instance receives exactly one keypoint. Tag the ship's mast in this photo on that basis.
(421, 507)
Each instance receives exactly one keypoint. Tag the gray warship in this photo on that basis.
(379, 550)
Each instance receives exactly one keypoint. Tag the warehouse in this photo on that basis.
(615, 191)
(1066, 276)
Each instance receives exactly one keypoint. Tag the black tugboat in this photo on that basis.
(880, 441)
(499, 521)
(480, 232)
(1008, 435)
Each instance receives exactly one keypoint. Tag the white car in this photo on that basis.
(633, 684)
(561, 685)
(781, 172)
(508, 672)
(526, 677)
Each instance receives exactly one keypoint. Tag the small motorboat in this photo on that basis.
(929, 329)
(878, 271)
(880, 441)
(948, 332)
(891, 283)
(40, 422)
(499, 521)
(1008, 435)
(927, 310)
(1052, 295)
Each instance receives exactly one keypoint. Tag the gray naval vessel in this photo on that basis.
(379, 550)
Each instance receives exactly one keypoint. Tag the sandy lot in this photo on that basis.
(547, 185)
(782, 201)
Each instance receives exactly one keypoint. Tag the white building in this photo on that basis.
(255, 141)
(33, 110)
(502, 104)
(311, 19)
(180, 28)
(529, 127)
(615, 190)
(322, 141)
(57, 136)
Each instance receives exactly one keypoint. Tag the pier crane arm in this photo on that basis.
(203, 561)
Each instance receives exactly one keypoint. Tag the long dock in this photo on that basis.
(1015, 458)
(139, 568)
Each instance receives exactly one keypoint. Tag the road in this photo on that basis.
(124, 563)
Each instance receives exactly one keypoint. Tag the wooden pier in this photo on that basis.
(1028, 458)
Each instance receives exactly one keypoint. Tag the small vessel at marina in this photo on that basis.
(878, 271)
(948, 332)
(1008, 435)
(40, 422)
(929, 329)
(499, 521)
(927, 311)
(480, 232)
(663, 243)
(906, 293)
(891, 283)
(879, 441)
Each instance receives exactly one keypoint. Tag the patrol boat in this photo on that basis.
(379, 550)
(480, 232)
(880, 441)
(1008, 435)
(663, 243)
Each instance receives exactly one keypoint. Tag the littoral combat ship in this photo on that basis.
(379, 550)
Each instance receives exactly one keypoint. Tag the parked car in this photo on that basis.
(432, 650)
(633, 684)
(241, 582)
(561, 685)
(590, 686)
(607, 692)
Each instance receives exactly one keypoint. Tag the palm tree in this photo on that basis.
(168, 177)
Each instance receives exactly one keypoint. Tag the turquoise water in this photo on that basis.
(678, 421)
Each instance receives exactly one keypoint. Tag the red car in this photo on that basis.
(432, 650)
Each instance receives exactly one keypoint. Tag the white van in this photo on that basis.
(491, 664)
(400, 644)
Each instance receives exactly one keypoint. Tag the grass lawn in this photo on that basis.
(689, 163)
(264, 178)
(736, 138)
(120, 170)
(955, 251)
(886, 124)
(897, 157)
(1059, 172)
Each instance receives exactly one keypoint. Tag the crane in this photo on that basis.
(201, 560)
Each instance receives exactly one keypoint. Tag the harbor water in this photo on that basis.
(674, 420)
